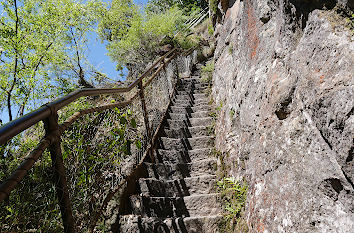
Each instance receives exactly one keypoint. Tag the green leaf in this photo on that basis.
(123, 120)
(138, 144)
(133, 123)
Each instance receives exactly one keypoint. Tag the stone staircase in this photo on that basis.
(179, 193)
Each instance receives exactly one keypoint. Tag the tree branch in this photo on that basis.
(9, 95)
(82, 80)
(41, 58)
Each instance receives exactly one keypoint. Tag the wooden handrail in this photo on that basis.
(48, 113)
(17, 126)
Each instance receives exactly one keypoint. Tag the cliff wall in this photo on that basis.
(283, 82)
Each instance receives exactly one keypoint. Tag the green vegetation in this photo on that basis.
(42, 50)
(134, 38)
(339, 17)
(43, 55)
(213, 5)
(218, 109)
(209, 67)
(186, 42)
(93, 149)
(232, 113)
(139, 40)
(231, 49)
(211, 129)
(210, 29)
(207, 72)
(233, 196)
(43, 44)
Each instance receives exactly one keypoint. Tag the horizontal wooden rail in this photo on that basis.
(48, 113)
(17, 126)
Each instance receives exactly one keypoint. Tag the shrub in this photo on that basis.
(233, 197)
(207, 72)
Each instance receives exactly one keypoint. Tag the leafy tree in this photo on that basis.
(134, 36)
(157, 6)
(37, 41)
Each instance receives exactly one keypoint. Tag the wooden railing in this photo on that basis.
(48, 113)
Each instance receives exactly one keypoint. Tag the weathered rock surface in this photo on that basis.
(284, 80)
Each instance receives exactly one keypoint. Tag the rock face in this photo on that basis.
(283, 80)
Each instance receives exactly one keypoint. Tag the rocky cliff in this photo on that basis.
(283, 82)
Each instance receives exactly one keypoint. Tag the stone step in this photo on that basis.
(197, 224)
(178, 116)
(201, 100)
(183, 105)
(181, 110)
(203, 103)
(178, 123)
(185, 116)
(200, 114)
(194, 84)
(167, 207)
(176, 102)
(192, 96)
(192, 79)
(186, 143)
(182, 156)
(192, 90)
(199, 131)
(205, 121)
(178, 193)
(177, 188)
(189, 102)
(186, 104)
(201, 95)
(187, 132)
(200, 108)
(183, 96)
(181, 170)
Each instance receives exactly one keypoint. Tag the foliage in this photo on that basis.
(233, 196)
(93, 149)
(36, 49)
(210, 29)
(211, 127)
(207, 72)
(156, 6)
(186, 42)
(231, 49)
(134, 36)
(218, 108)
(208, 68)
(33, 204)
(42, 55)
(232, 113)
(213, 5)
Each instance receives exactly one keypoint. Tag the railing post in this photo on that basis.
(146, 119)
(52, 128)
(164, 64)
